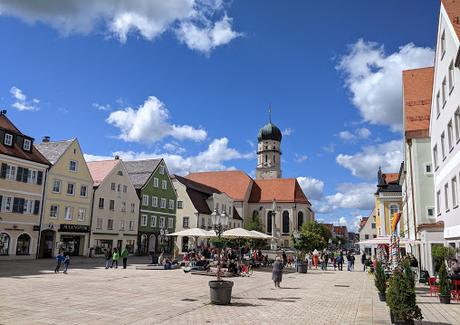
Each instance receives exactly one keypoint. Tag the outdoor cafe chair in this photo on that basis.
(455, 292)
(433, 287)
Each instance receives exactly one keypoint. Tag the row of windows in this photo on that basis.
(68, 213)
(8, 140)
(118, 187)
(146, 198)
(452, 193)
(19, 205)
(22, 244)
(112, 205)
(441, 95)
(224, 208)
(453, 129)
(20, 174)
(71, 187)
(110, 224)
(153, 221)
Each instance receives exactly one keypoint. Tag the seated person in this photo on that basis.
(233, 267)
(455, 269)
(201, 265)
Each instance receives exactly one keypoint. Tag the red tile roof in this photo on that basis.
(363, 222)
(453, 11)
(391, 177)
(235, 184)
(282, 190)
(100, 169)
(15, 150)
(340, 230)
(417, 90)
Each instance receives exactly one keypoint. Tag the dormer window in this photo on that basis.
(162, 170)
(8, 139)
(27, 144)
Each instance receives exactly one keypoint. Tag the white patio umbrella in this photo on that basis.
(260, 235)
(239, 233)
(193, 232)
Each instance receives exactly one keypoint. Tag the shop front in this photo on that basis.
(72, 239)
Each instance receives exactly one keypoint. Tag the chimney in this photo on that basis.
(46, 139)
(117, 157)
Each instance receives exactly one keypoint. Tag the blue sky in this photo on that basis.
(192, 81)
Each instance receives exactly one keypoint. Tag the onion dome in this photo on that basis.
(270, 132)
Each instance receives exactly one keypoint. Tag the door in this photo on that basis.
(47, 243)
(71, 245)
(152, 244)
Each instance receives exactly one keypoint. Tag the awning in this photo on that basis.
(386, 240)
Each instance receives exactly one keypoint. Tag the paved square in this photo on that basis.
(32, 294)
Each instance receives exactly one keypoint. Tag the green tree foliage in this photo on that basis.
(444, 283)
(401, 297)
(442, 253)
(380, 278)
(254, 224)
(313, 236)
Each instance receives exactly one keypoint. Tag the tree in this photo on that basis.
(254, 224)
(441, 254)
(313, 236)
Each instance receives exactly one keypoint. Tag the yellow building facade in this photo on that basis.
(68, 198)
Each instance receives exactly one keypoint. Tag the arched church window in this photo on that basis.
(255, 215)
(299, 219)
(285, 222)
(269, 222)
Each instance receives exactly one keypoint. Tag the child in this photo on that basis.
(66, 263)
(59, 260)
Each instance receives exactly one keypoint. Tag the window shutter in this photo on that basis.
(19, 174)
(39, 178)
(25, 175)
(21, 205)
(3, 171)
(36, 206)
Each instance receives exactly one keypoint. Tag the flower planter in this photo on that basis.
(400, 322)
(301, 268)
(444, 299)
(382, 296)
(221, 292)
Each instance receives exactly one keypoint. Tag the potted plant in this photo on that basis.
(301, 265)
(401, 299)
(380, 281)
(444, 285)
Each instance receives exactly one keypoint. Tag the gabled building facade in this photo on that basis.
(68, 196)
(157, 214)
(195, 204)
(445, 121)
(115, 209)
(22, 181)
(388, 202)
(368, 230)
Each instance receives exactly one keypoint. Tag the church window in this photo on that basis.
(285, 222)
(269, 222)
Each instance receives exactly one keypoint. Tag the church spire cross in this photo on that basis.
(270, 113)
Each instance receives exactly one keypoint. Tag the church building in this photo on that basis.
(279, 204)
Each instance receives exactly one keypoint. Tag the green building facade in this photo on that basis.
(157, 209)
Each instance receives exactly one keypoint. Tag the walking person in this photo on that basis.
(284, 258)
(66, 263)
(277, 272)
(115, 258)
(352, 261)
(59, 260)
(108, 258)
(124, 255)
(349, 261)
(340, 261)
(364, 261)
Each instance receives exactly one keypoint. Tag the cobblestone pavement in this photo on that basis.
(89, 294)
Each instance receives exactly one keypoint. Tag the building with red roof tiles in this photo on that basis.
(22, 181)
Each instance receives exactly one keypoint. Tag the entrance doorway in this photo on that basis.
(70, 245)
(46, 243)
(152, 244)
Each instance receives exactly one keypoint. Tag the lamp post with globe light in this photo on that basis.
(221, 291)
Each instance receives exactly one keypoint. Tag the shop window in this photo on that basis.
(4, 243)
(23, 245)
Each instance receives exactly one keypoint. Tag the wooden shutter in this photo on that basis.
(39, 178)
(16, 205)
(36, 206)
(3, 171)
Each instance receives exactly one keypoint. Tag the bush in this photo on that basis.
(444, 283)
(380, 278)
(401, 297)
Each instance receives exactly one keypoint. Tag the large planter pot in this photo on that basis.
(301, 268)
(382, 296)
(400, 322)
(444, 299)
(221, 292)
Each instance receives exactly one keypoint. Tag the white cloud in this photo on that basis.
(174, 147)
(101, 107)
(300, 158)
(20, 100)
(361, 133)
(213, 158)
(330, 148)
(196, 22)
(149, 123)
(287, 131)
(375, 82)
(312, 187)
(364, 164)
(349, 196)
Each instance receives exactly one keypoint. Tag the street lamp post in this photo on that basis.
(219, 222)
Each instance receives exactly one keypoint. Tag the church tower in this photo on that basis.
(269, 151)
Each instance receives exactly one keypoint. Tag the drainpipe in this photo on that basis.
(42, 208)
(91, 219)
(412, 186)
